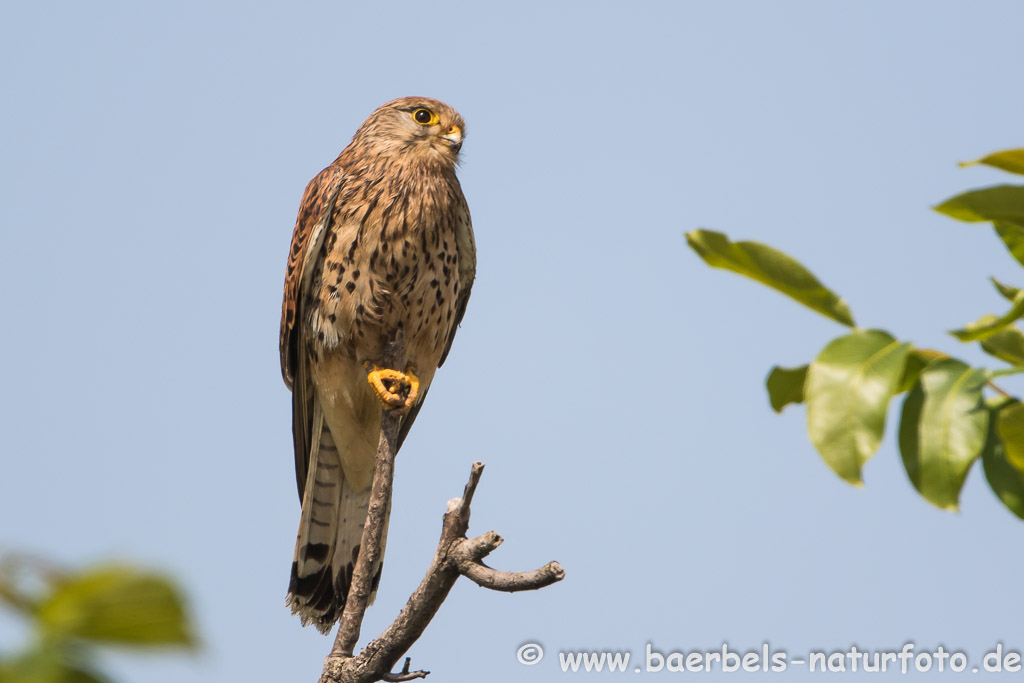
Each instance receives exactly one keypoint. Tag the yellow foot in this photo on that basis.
(395, 390)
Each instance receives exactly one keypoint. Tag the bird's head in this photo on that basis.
(414, 128)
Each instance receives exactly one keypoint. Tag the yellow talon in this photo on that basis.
(395, 390)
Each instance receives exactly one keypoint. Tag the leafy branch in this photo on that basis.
(948, 420)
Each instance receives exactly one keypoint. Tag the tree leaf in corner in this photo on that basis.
(785, 386)
(847, 392)
(770, 267)
(1011, 160)
(942, 429)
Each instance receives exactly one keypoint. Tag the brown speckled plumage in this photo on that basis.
(383, 239)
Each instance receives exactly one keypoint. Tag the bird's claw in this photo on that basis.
(395, 390)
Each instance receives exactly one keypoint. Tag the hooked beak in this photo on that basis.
(453, 137)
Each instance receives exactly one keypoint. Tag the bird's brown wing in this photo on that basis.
(319, 194)
(466, 246)
(315, 213)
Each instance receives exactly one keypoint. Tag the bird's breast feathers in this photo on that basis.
(392, 264)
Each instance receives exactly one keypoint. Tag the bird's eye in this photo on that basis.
(424, 117)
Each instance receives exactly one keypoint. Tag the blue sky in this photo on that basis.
(153, 157)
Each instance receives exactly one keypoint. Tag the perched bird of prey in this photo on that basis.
(383, 241)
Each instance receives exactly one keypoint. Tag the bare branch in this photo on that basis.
(511, 582)
(455, 556)
(405, 674)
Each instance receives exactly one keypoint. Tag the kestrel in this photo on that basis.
(383, 241)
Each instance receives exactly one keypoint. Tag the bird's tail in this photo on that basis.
(330, 531)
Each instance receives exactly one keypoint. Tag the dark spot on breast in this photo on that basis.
(332, 317)
(351, 287)
(355, 274)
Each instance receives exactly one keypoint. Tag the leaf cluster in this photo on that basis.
(72, 613)
(953, 414)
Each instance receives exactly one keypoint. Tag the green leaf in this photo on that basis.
(1015, 370)
(1009, 293)
(49, 663)
(1011, 160)
(1010, 427)
(984, 322)
(988, 325)
(772, 268)
(117, 605)
(1005, 477)
(997, 203)
(1007, 344)
(917, 360)
(1012, 235)
(942, 429)
(36, 672)
(785, 386)
(847, 391)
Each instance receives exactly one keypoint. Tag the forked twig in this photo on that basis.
(455, 556)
